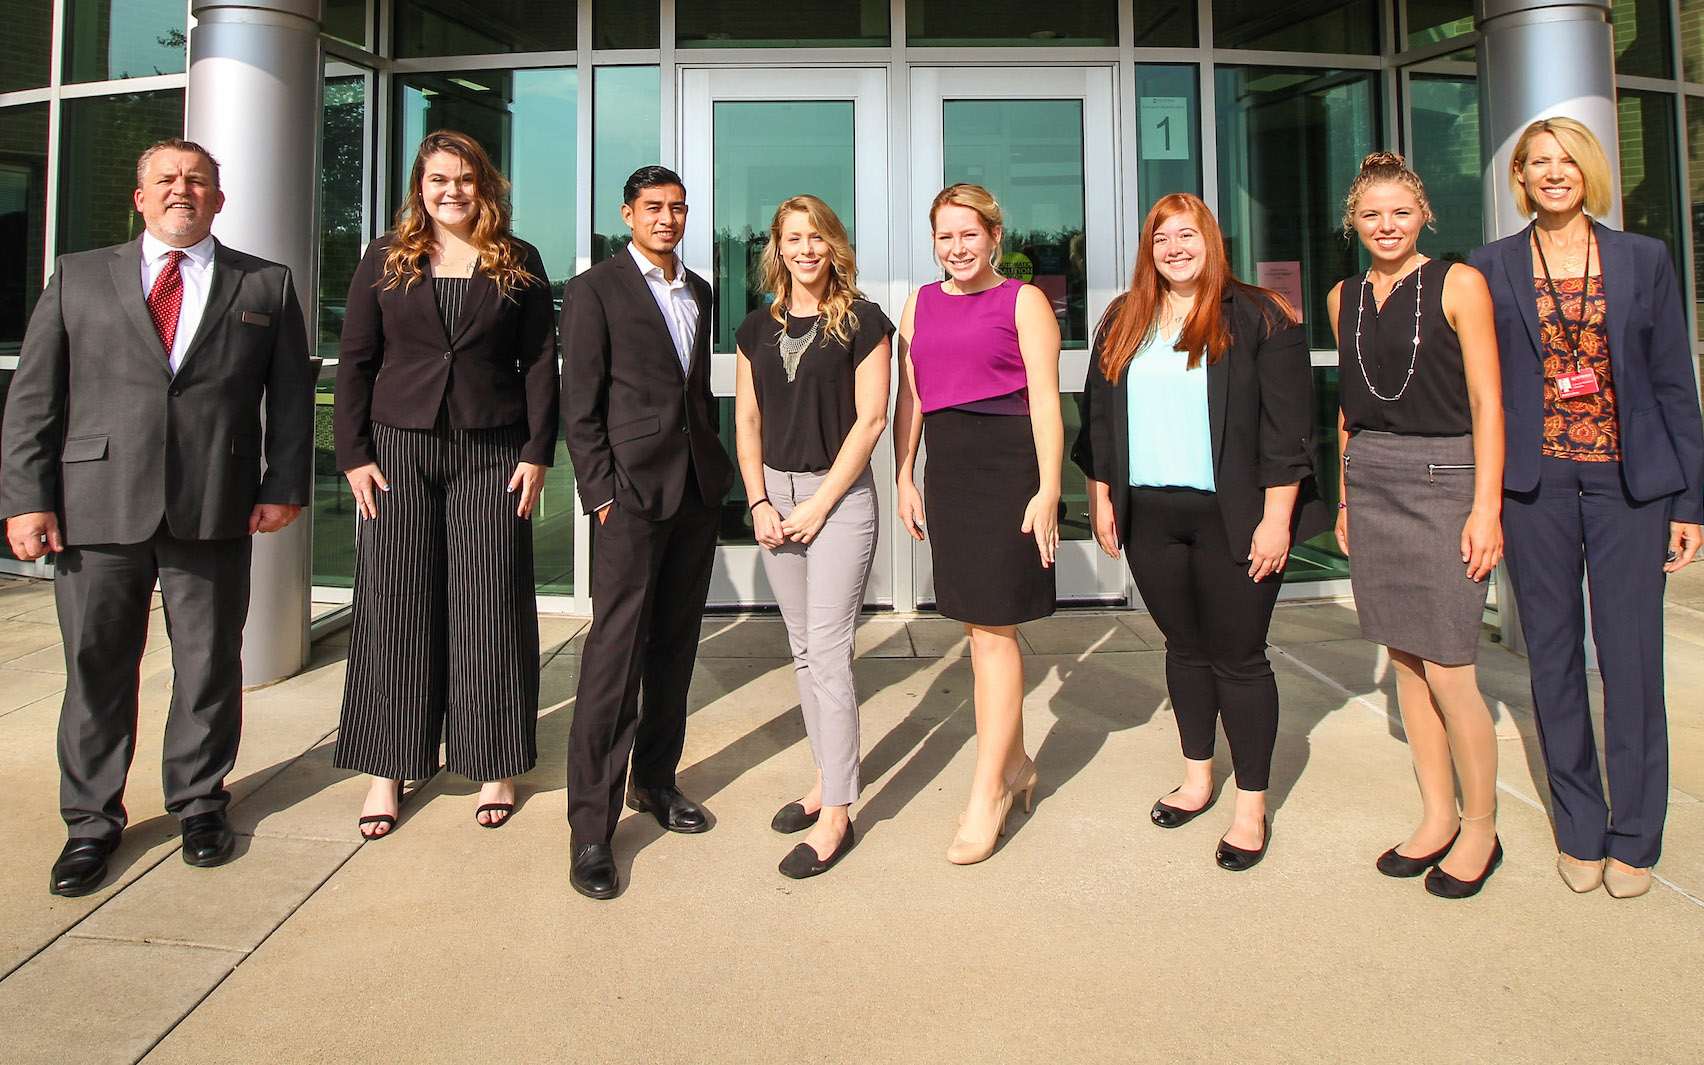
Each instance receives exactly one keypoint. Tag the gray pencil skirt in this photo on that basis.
(1409, 497)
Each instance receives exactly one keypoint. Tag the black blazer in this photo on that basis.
(398, 366)
(637, 427)
(99, 428)
(1260, 412)
(1650, 362)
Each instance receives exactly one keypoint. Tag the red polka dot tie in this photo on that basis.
(166, 300)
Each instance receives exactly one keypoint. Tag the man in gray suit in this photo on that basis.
(131, 451)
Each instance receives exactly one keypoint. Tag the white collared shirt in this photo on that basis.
(196, 269)
(674, 299)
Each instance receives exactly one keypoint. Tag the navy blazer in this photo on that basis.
(1650, 359)
(1260, 412)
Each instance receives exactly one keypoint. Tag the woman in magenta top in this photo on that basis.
(979, 367)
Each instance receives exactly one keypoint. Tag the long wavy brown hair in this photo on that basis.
(836, 309)
(1131, 319)
(412, 242)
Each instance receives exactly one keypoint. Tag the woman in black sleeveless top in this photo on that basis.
(1422, 433)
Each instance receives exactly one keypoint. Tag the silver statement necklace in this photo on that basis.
(1414, 354)
(792, 349)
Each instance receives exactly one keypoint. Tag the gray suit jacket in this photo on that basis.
(99, 428)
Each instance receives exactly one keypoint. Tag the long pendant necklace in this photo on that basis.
(792, 348)
(1414, 355)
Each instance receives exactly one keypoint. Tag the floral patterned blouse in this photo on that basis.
(1585, 428)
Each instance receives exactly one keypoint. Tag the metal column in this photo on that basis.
(255, 73)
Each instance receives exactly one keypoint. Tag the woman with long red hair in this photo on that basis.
(1197, 442)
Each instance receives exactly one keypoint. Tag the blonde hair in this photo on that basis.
(836, 306)
(978, 199)
(412, 241)
(1384, 168)
(1582, 146)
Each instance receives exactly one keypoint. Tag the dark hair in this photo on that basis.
(176, 144)
(649, 177)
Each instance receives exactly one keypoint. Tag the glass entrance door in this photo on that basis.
(750, 139)
(1043, 141)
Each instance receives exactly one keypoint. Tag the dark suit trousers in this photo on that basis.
(1580, 516)
(103, 593)
(649, 583)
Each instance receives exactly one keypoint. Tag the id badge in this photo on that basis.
(1575, 385)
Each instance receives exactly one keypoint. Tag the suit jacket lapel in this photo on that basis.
(127, 283)
(479, 289)
(1517, 268)
(641, 291)
(701, 332)
(1615, 260)
(220, 295)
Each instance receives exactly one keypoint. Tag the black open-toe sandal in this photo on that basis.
(505, 808)
(387, 820)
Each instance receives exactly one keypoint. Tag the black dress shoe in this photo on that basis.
(81, 867)
(1238, 860)
(1446, 886)
(593, 870)
(1174, 817)
(208, 839)
(1391, 863)
(802, 861)
(673, 811)
(792, 818)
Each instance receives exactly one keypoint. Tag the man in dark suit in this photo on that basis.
(132, 451)
(642, 432)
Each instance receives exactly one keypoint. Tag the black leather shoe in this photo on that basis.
(1238, 860)
(673, 811)
(81, 867)
(208, 839)
(1174, 817)
(802, 861)
(1446, 886)
(1391, 863)
(593, 870)
(792, 818)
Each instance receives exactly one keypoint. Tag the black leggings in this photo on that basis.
(1214, 617)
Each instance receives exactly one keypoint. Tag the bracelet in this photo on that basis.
(759, 503)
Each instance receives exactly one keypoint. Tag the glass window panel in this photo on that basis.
(1320, 558)
(29, 44)
(553, 528)
(347, 21)
(626, 135)
(1445, 116)
(977, 22)
(23, 218)
(99, 140)
(781, 24)
(1642, 37)
(1695, 157)
(334, 509)
(1290, 141)
(1073, 485)
(626, 24)
(1430, 21)
(463, 27)
(1166, 24)
(1168, 145)
(1305, 26)
(1650, 167)
(343, 164)
(5, 390)
(107, 39)
(1029, 154)
(1692, 39)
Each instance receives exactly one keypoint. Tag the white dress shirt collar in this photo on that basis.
(153, 250)
(674, 299)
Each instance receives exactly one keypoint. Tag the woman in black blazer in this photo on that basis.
(1604, 474)
(1197, 443)
(445, 421)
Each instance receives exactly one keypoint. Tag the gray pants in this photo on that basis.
(820, 589)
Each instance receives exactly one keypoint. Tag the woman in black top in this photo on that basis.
(810, 402)
(446, 419)
(1422, 433)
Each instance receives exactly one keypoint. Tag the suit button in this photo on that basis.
(175, 392)
(684, 429)
(447, 354)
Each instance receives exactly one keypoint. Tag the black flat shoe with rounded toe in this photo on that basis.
(1446, 886)
(1175, 817)
(802, 861)
(1237, 860)
(792, 818)
(1392, 863)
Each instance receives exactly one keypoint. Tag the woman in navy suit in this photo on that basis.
(1605, 473)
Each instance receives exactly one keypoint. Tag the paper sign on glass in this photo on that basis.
(1284, 278)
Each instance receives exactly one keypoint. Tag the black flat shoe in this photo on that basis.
(792, 818)
(673, 811)
(1446, 886)
(802, 861)
(1175, 817)
(592, 872)
(1238, 860)
(1391, 863)
(81, 867)
(208, 840)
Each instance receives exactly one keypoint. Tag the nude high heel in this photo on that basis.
(968, 851)
(1025, 782)
(1624, 881)
(1580, 877)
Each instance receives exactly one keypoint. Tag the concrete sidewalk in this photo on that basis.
(1091, 936)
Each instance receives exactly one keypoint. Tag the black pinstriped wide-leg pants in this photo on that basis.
(444, 640)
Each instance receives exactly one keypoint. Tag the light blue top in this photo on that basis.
(1171, 440)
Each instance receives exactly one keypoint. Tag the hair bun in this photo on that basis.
(1379, 160)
